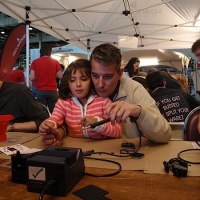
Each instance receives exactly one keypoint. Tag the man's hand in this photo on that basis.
(119, 111)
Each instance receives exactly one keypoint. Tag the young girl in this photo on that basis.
(79, 107)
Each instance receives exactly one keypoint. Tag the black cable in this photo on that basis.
(197, 143)
(46, 186)
(112, 154)
(140, 137)
(89, 153)
(129, 154)
(187, 161)
(105, 175)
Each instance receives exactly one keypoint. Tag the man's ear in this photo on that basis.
(121, 72)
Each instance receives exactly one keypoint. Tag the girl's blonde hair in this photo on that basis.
(183, 81)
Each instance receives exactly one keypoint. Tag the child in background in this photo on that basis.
(183, 81)
(79, 107)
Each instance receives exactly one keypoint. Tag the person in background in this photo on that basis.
(45, 70)
(17, 100)
(196, 50)
(141, 79)
(131, 105)
(183, 81)
(168, 72)
(33, 88)
(173, 104)
(171, 82)
(151, 70)
(79, 107)
(16, 76)
(132, 67)
(57, 79)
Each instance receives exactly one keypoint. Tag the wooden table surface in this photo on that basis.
(127, 185)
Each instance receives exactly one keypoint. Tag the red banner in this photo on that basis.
(12, 48)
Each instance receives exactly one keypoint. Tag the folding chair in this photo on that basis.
(191, 132)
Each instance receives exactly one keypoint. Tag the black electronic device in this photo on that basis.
(19, 167)
(61, 165)
(177, 166)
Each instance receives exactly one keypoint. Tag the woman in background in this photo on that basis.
(131, 69)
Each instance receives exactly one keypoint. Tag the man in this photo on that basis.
(45, 70)
(173, 104)
(196, 50)
(16, 76)
(132, 105)
(17, 100)
(171, 82)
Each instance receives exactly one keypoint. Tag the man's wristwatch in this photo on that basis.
(11, 126)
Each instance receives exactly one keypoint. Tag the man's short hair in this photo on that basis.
(106, 54)
(45, 50)
(154, 80)
(196, 45)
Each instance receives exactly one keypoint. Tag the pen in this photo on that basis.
(97, 123)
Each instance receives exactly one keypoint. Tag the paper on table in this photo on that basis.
(12, 149)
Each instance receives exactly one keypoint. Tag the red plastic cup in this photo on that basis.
(4, 120)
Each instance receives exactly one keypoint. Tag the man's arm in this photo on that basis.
(54, 137)
(59, 74)
(23, 126)
(32, 75)
(139, 107)
(33, 110)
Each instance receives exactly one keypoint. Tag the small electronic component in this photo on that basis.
(177, 166)
(127, 148)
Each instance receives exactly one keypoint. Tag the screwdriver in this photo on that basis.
(97, 123)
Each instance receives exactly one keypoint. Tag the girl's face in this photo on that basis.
(79, 84)
(136, 66)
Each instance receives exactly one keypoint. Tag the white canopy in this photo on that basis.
(158, 24)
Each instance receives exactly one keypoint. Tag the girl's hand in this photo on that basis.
(46, 126)
(86, 121)
(52, 136)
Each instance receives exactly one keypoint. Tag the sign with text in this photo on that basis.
(14, 44)
(173, 107)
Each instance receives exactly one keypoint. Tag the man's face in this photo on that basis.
(105, 78)
(197, 53)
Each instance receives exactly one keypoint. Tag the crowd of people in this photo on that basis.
(88, 91)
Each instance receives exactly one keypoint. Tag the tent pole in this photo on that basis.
(27, 55)
(27, 44)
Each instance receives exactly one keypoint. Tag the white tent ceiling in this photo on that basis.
(159, 24)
